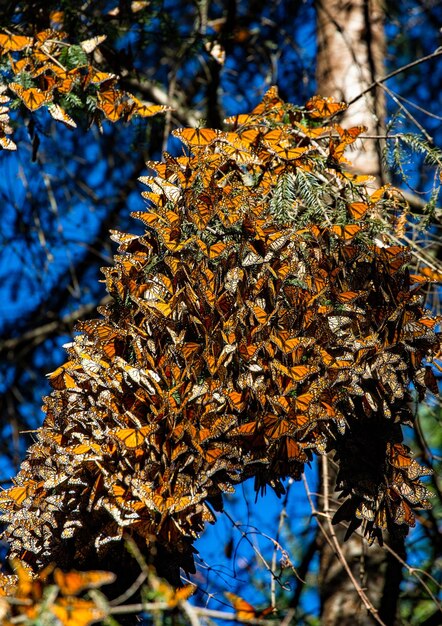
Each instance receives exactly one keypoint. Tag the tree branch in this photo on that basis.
(404, 68)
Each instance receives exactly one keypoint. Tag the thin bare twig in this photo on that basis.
(332, 539)
(404, 68)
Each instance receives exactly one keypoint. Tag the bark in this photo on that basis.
(351, 49)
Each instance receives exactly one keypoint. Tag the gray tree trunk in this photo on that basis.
(351, 50)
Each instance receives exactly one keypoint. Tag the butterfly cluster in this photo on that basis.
(47, 71)
(243, 337)
(65, 603)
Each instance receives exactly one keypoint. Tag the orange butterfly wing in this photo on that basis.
(13, 43)
(244, 610)
(197, 136)
(71, 583)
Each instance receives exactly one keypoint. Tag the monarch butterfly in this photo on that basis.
(243, 119)
(294, 450)
(431, 275)
(213, 251)
(314, 133)
(357, 210)
(244, 610)
(288, 344)
(89, 45)
(171, 238)
(144, 110)
(173, 503)
(96, 77)
(61, 116)
(76, 611)
(113, 112)
(400, 457)
(347, 232)
(33, 98)
(412, 492)
(125, 499)
(297, 373)
(6, 143)
(21, 65)
(82, 448)
(14, 43)
(259, 313)
(65, 80)
(349, 135)
(236, 401)
(404, 514)
(289, 154)
(319, 107)
(278, 140)
(365, 511)
(43, 36)
(133, 437)
(61, 377)
(346, 297)
(276, 427)
(240, 156)
(71, 583)
(198, 137)
(249, 136)
(270, 100)
(20, 493)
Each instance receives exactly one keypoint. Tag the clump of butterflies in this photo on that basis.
(54, 596)
(239, 343)
(46, 71)
(64, 604)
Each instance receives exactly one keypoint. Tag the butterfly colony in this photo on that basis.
(263, 317)
(45, 71)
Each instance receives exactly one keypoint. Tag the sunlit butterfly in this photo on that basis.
(270, 101)
(357, 210)
(96, 77)
(294, 450)
(348, 135)
(76, 611)
(61, 116)
(136, 107)
(212, 251)
(133, 437)
(89, 45)
(314, 133)
(13, 43)
(6, 143)
(20, 493)
(319, 107)
(61, 377)
(400, 457)
(298, 373)
(33, 98)
(347, 232)
(21, 65)
(71, 583)
(197, 137)
(244, 610)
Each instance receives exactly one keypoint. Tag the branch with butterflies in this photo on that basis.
(265, 316)
(46, 71)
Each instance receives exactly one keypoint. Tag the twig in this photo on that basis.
(404, 68)
(191, 613)
(254, 548)
(40, 333)
(332, 540)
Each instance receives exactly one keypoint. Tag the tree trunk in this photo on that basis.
(351, 48)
